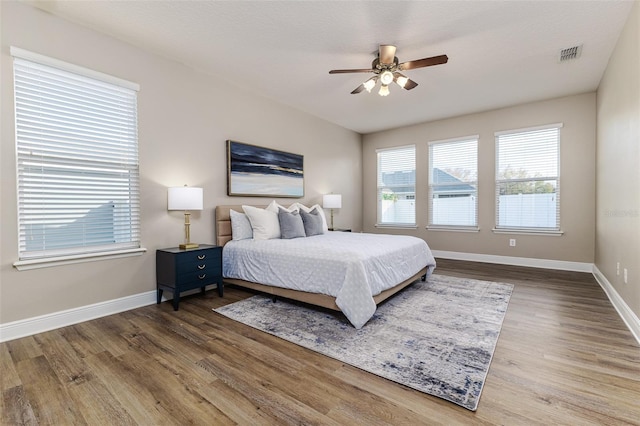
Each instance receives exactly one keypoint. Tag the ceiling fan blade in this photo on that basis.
(426, 62)
(387, 54)
(358, 89)
(349, 71)
(408, 85)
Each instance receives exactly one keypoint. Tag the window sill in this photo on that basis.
(453, 228)
(25, 265)
(395, 225)
(528, 231)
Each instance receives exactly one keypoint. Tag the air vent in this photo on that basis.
(570, 53)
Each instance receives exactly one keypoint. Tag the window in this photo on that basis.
(528, 180)
(397, 186)
(77, 160)
(453, 183)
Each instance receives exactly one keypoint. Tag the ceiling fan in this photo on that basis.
(387, 69)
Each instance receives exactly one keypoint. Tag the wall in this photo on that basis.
(184, 119)
(618, 165)
(577, 177)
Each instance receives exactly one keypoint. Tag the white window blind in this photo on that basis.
(528, 179)
(397, 186)
(77, 161)
(453, 182)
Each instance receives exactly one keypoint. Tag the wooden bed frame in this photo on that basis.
(223, 235)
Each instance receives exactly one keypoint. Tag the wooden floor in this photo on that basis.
(563, 357)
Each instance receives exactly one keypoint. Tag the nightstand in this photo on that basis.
(179, 270)
(339, 230)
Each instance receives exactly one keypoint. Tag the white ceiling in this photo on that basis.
(501, 53)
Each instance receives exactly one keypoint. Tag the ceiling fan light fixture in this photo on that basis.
(384, 90)
(386, 77)
(369, 84)
(402, 81)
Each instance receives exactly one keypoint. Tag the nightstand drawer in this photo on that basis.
(198, 256)
(193, 281)
(200, 265)
(205, 275)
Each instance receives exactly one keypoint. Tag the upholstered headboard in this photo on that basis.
(223, 222)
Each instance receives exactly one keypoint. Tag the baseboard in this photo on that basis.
(628, 316)
(561, 265)
(22, 328)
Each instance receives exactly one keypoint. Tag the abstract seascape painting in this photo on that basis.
(256, 171)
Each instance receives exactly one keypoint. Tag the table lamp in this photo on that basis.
(332, 201)
(185, 198)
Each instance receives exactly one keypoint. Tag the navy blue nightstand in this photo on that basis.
(179, 270)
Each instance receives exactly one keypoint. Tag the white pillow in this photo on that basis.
(275, 207)
(240, 226)
(325, 227)
(264, 223)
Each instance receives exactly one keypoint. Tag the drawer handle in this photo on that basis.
(201, 267)
(200, 257)
(202, 277)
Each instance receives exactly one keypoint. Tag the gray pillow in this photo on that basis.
(291, 225)
(312, 222)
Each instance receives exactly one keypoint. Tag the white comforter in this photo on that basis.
(352, 267)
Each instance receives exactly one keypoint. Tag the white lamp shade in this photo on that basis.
(184, 198)
(332, 201)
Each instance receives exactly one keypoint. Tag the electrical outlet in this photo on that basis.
(625, 276)
(512, 242)
(618, 268)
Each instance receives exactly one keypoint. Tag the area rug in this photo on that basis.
(437, 336)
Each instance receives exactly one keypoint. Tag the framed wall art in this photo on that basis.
(255, 171)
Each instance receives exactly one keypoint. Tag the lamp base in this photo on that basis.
(188, 246)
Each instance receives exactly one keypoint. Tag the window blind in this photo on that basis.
(397, 186)
(528, 179)
(77, 162)
(453, 179)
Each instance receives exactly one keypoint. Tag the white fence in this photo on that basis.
(522, 210)
(455, 211)
(400, 211)
(528, 210)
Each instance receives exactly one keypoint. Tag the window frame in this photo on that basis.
(430, 210)
(379, 189)
(37, 258)
(531, 230)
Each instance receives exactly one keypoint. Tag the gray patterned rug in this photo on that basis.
(437, 337)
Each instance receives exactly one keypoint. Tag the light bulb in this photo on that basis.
(368, 85)
(402, 81)
(386, 77)
(384, 90)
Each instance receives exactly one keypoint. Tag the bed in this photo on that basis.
(342, 271)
